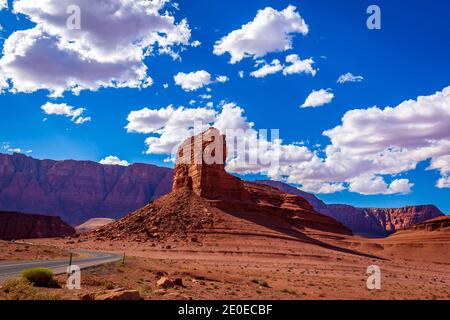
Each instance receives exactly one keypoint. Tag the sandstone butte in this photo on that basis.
(207, 200)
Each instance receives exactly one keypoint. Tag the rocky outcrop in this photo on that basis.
(114, 295)
(378, 222)
(207, 200)
(78, 190)
(28, 226)
(315, 202)
(200, 167)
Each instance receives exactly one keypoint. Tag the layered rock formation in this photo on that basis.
(207, 200)
(200, 167)
(78, 190)
(382, 221)
(377, 222)
(440, 224)
(316, 203)
(15, 225)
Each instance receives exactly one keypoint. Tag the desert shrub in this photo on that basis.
(109, 285)
(262, 283)
(40, 277)
(22, 289)
(293, 292)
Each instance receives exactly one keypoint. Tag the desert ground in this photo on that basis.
(27, 250)
(413, 266)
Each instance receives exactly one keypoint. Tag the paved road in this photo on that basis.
(10, 269)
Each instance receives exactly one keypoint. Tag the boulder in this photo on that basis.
(165, 283)
(119, 294)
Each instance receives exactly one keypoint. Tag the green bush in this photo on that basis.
(22, 289)
(109, 285)
(40, 277)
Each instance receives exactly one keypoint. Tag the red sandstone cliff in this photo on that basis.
(366, 221)
(207, 200)
(28, 226)
(440, 224)
(78, 190)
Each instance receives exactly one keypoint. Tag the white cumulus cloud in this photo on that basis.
(295, 65)
(193, 81)
(349, 77)
(62, 109)
(267, 69)
(318, 98)
(107, 51)
(298, 65)
(114, 161)
(375, 143)
(367, 154)
(443, 182)
(270, 31)
(222, 79)
(196, 80)
(10, 149)
(369, 185)
(170, 125)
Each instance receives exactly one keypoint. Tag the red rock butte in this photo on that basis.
(207, 201)
(200, 167)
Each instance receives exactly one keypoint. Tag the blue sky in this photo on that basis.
(407, 58)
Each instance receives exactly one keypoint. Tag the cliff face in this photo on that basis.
(27, 226)
(440, 224)
(382, 221)
(366, 221)
(78, 190)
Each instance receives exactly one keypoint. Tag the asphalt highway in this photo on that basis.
(11, 269)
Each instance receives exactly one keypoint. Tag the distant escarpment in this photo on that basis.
(376, 222)
(383, 221)
(78, 190)
(15, 225)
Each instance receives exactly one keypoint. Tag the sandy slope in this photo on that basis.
(26, 251)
